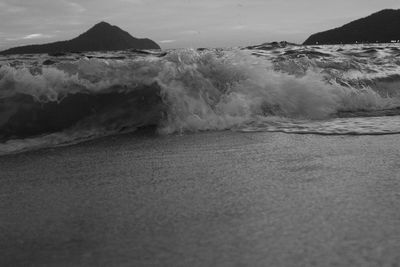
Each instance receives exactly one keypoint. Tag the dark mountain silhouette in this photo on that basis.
(271, 46)
(101, 37)
(381, 27)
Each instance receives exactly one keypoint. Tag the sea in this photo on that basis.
(62, 99)
(270, 155)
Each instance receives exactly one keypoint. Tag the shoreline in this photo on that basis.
(205, 199)
(151, 132)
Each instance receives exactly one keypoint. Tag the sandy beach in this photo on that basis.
(208, 199)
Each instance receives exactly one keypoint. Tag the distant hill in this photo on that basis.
(101, 37)
(381, 27)
(270, 46)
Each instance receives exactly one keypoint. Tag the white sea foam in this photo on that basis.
(197, 90)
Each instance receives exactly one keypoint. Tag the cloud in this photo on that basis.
(36, 36)
(76, 7)
(10, 8)
(189, 32)
(167, 41)
(238, 27)
(30, 37)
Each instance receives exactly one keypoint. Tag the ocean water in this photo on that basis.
(48, 101)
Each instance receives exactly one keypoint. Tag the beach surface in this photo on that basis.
(207, 199)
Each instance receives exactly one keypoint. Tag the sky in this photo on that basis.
(181, 23)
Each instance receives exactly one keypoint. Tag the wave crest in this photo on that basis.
(185, 90)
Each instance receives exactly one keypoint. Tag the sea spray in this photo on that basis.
(188, 90)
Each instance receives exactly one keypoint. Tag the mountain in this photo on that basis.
(271, 46)
(101, 37)
(381, 27)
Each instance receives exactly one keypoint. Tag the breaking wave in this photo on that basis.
(77, 98)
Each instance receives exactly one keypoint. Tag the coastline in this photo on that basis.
(214, 198)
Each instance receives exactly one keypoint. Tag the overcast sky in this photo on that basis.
(181, 23)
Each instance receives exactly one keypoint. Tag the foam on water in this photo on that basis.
(337, 126)
(290, 89)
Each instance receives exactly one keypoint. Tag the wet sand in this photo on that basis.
(209, 199)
